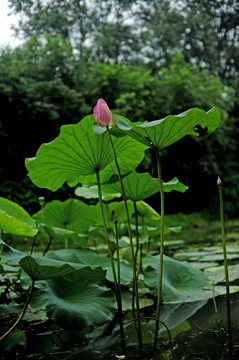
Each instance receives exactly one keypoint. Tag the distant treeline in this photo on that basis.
(165, 68)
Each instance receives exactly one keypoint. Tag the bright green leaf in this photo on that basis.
(77, 153)
(139, 186)
(164, 132)
(71, 214)
(15, 220)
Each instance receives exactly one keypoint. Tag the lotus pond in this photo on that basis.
(198, 327)
(104, 275)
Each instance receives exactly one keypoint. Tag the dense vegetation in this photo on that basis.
(162, 61)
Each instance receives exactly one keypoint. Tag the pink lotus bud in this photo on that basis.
(102, 114)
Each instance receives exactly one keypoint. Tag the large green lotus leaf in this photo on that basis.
(165, 132)
(91, 258)
(92, 193)
(181, 282)
(15, 220)
(10, 254)
(42, 268)
(139, 186)
(75, 305)
(77, 153)
(71, 214)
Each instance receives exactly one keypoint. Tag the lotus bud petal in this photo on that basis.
(103, 115)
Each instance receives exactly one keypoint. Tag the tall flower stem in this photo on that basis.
(118, 256)
(229, 327)
(117, 290)
(131, 243)
(22, 313)
(159, 295)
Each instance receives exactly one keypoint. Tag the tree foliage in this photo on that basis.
(147, 59)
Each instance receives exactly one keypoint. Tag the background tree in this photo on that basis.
(146, 59)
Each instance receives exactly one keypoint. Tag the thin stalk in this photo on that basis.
(159, 295)
(48, 245)
(117, 252)
(131, 243)
(33, 244)
(229, 327)
(136, 232)
(160, 322)
(135, 257)
(22, 313)
(117, 291)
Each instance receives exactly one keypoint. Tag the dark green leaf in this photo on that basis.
(75, 305)
(181, 282)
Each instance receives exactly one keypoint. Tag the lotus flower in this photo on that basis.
(102, 114)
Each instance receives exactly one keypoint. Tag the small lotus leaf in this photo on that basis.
(15, 220)
(71, 214)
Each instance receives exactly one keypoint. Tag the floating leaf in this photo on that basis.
(181, 282)
(217, 274)
(75, 305)
(42, 268)
(77, 153)
(15, 220)
(165, 132)
(91, 258)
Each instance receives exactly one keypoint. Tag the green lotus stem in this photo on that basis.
(131, 242)
(117, 251)
(22, 313)
(136, 232)
(159, 295)
(229, 327)
(33, 244)
(117, 290)
(48, 245)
